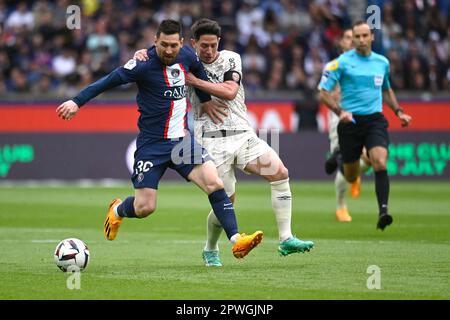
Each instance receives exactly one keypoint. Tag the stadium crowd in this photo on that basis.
(284, 44)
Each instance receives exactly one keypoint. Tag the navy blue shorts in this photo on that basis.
(153, 157)
(369, 131)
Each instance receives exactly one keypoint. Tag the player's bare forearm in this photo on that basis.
(226, 90)
(327, 98)
(391, 100)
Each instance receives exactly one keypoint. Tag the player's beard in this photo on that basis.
(168, 61)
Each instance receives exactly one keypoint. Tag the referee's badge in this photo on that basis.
(378, 80)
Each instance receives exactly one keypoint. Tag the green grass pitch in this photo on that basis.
(160, 257)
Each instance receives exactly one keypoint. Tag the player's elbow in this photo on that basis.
(231, 91)
(323, 95)
(230, 95)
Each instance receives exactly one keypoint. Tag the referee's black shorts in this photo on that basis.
(368, 131)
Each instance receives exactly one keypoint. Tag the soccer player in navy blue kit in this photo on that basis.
(363, 77)
(161, 142)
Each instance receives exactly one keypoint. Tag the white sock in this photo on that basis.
(115, 211)
(340, 185)
(234, 238)
(214, 229)
(363, 167)
(282, 207)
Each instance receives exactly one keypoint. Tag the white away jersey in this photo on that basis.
(237, 110)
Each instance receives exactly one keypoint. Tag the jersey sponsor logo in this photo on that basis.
(378, 80)
(332, 65)
(232, 63)
(130, 64)
(211, 76)
(176, 93)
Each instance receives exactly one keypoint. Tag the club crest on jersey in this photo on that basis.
(130, 64)
(175, 73)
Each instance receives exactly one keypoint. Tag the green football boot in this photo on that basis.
(211, 258)
(294, 245)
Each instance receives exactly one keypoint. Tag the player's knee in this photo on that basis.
(143, 210)
(213, 185)
(379, 164)
(283, 173)
(351, 177)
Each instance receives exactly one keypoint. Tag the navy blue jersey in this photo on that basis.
(161, 98)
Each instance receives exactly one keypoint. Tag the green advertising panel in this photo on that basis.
(418, 159)
(11, 154)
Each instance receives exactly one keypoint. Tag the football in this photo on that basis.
(71, 254)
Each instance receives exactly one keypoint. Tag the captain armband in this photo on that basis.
(233, 76)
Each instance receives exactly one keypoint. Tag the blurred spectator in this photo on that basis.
(283, 43)
(249, 20)
(253, 59)
(17, 81)
(21, 17)
(64, 64)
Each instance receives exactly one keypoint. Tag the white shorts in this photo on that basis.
(332, 132)
(232, 152)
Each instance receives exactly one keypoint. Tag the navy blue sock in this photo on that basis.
(126, 208)
(382, 190)
(224, 211)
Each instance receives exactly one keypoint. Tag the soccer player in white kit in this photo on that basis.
(340, 184)
(230, 139)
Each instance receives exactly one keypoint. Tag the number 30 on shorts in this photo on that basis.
(142, 166)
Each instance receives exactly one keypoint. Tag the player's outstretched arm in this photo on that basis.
(67, 110)
(70, 108)
(391, 100)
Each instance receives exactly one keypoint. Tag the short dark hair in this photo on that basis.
(345, 30)
(205, 26)
(360, 23)
(169, 27)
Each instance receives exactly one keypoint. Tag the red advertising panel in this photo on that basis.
(277, 115)
(427, 116)
(122, 118)
(93, 118)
